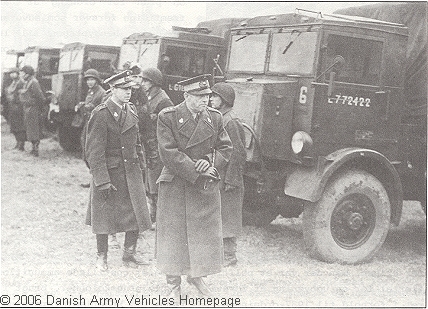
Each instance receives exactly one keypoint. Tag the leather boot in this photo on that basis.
(200, 285)
(174, 286)
(130, 260)
(21, 145)
(101, 263)
(229, 259)
(35, 150)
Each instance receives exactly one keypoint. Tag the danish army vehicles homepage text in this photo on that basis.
(184, 53)
(321, 98)
(69, 86)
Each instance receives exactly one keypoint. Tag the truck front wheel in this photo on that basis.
(259, 208)
(350, 222)
(69, 137)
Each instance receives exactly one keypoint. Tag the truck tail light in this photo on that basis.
(301, 143)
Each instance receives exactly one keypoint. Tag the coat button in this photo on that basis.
(124, 160)
(123, 147)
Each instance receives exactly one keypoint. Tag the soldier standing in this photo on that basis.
(93, 98)
(16, 110)
(32, 98)
(192, 146)
(232, 182)
(117, 199)
(157, 100)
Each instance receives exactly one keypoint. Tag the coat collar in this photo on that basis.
(131, 117)
(196, 132)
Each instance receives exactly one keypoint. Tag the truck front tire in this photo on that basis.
(350, 222)
(69, 138)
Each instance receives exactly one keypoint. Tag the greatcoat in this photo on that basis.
(231, 201)
(188, 230)
(16, 109)
(92, 100)
(32, 98)
(113, 153)
(157, 100)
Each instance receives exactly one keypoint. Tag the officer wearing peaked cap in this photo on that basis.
(193, 145)
(113, 152)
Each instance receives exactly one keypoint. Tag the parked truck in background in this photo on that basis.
(44, 62)
(69, 87)
(322, 98)
(181, 54)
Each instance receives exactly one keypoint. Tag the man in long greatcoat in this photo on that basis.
(113, 152)
(33, 99)
(193, 144)
(232, 182)
(16, 109)
(152, 81)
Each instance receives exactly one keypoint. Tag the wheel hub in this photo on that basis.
(352, 221)
(355, 221)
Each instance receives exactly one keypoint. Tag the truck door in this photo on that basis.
(351, 107)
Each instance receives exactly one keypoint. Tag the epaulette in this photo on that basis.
(213, 110)
(168, 109)
(100, 106)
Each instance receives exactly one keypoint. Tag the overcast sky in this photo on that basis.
(53, 24)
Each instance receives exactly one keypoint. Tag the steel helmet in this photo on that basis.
(28, 69)
(225, 92)
(153, 75)
(92, 73)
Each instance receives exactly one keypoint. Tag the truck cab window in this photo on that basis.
(248, 53)
(186, 62)
(362, 59)
(293, 52)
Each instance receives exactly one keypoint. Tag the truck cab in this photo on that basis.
(69, 87)
(44, 62)
(181, 54)
(321, 98)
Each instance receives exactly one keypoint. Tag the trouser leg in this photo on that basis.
(102, 249)
(35, 151)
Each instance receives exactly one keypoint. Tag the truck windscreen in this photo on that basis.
(248, 52)
(293, 52)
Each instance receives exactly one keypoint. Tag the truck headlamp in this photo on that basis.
(301, 142)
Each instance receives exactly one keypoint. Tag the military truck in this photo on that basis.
(69, 87)
(44, 62)
(321, 98)
(181, 54)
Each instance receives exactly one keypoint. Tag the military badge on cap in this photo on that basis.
(120, 80)
(198, 85)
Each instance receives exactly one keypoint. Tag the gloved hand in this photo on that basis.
(153, 116)
(228, 187)
(211, 173)
(202, 165)
(106, 190)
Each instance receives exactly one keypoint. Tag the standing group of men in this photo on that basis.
(137, 144)
(25, 101)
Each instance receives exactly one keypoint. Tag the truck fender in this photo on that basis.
(308, 183)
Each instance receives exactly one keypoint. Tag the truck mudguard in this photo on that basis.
(308, 183)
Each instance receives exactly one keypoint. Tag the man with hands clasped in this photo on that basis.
(193, 146)
(114, 155)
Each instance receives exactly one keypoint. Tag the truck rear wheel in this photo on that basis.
(258, 209)
(69, 137)
(350, 222)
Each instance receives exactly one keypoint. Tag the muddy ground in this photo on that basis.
(47, 250)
